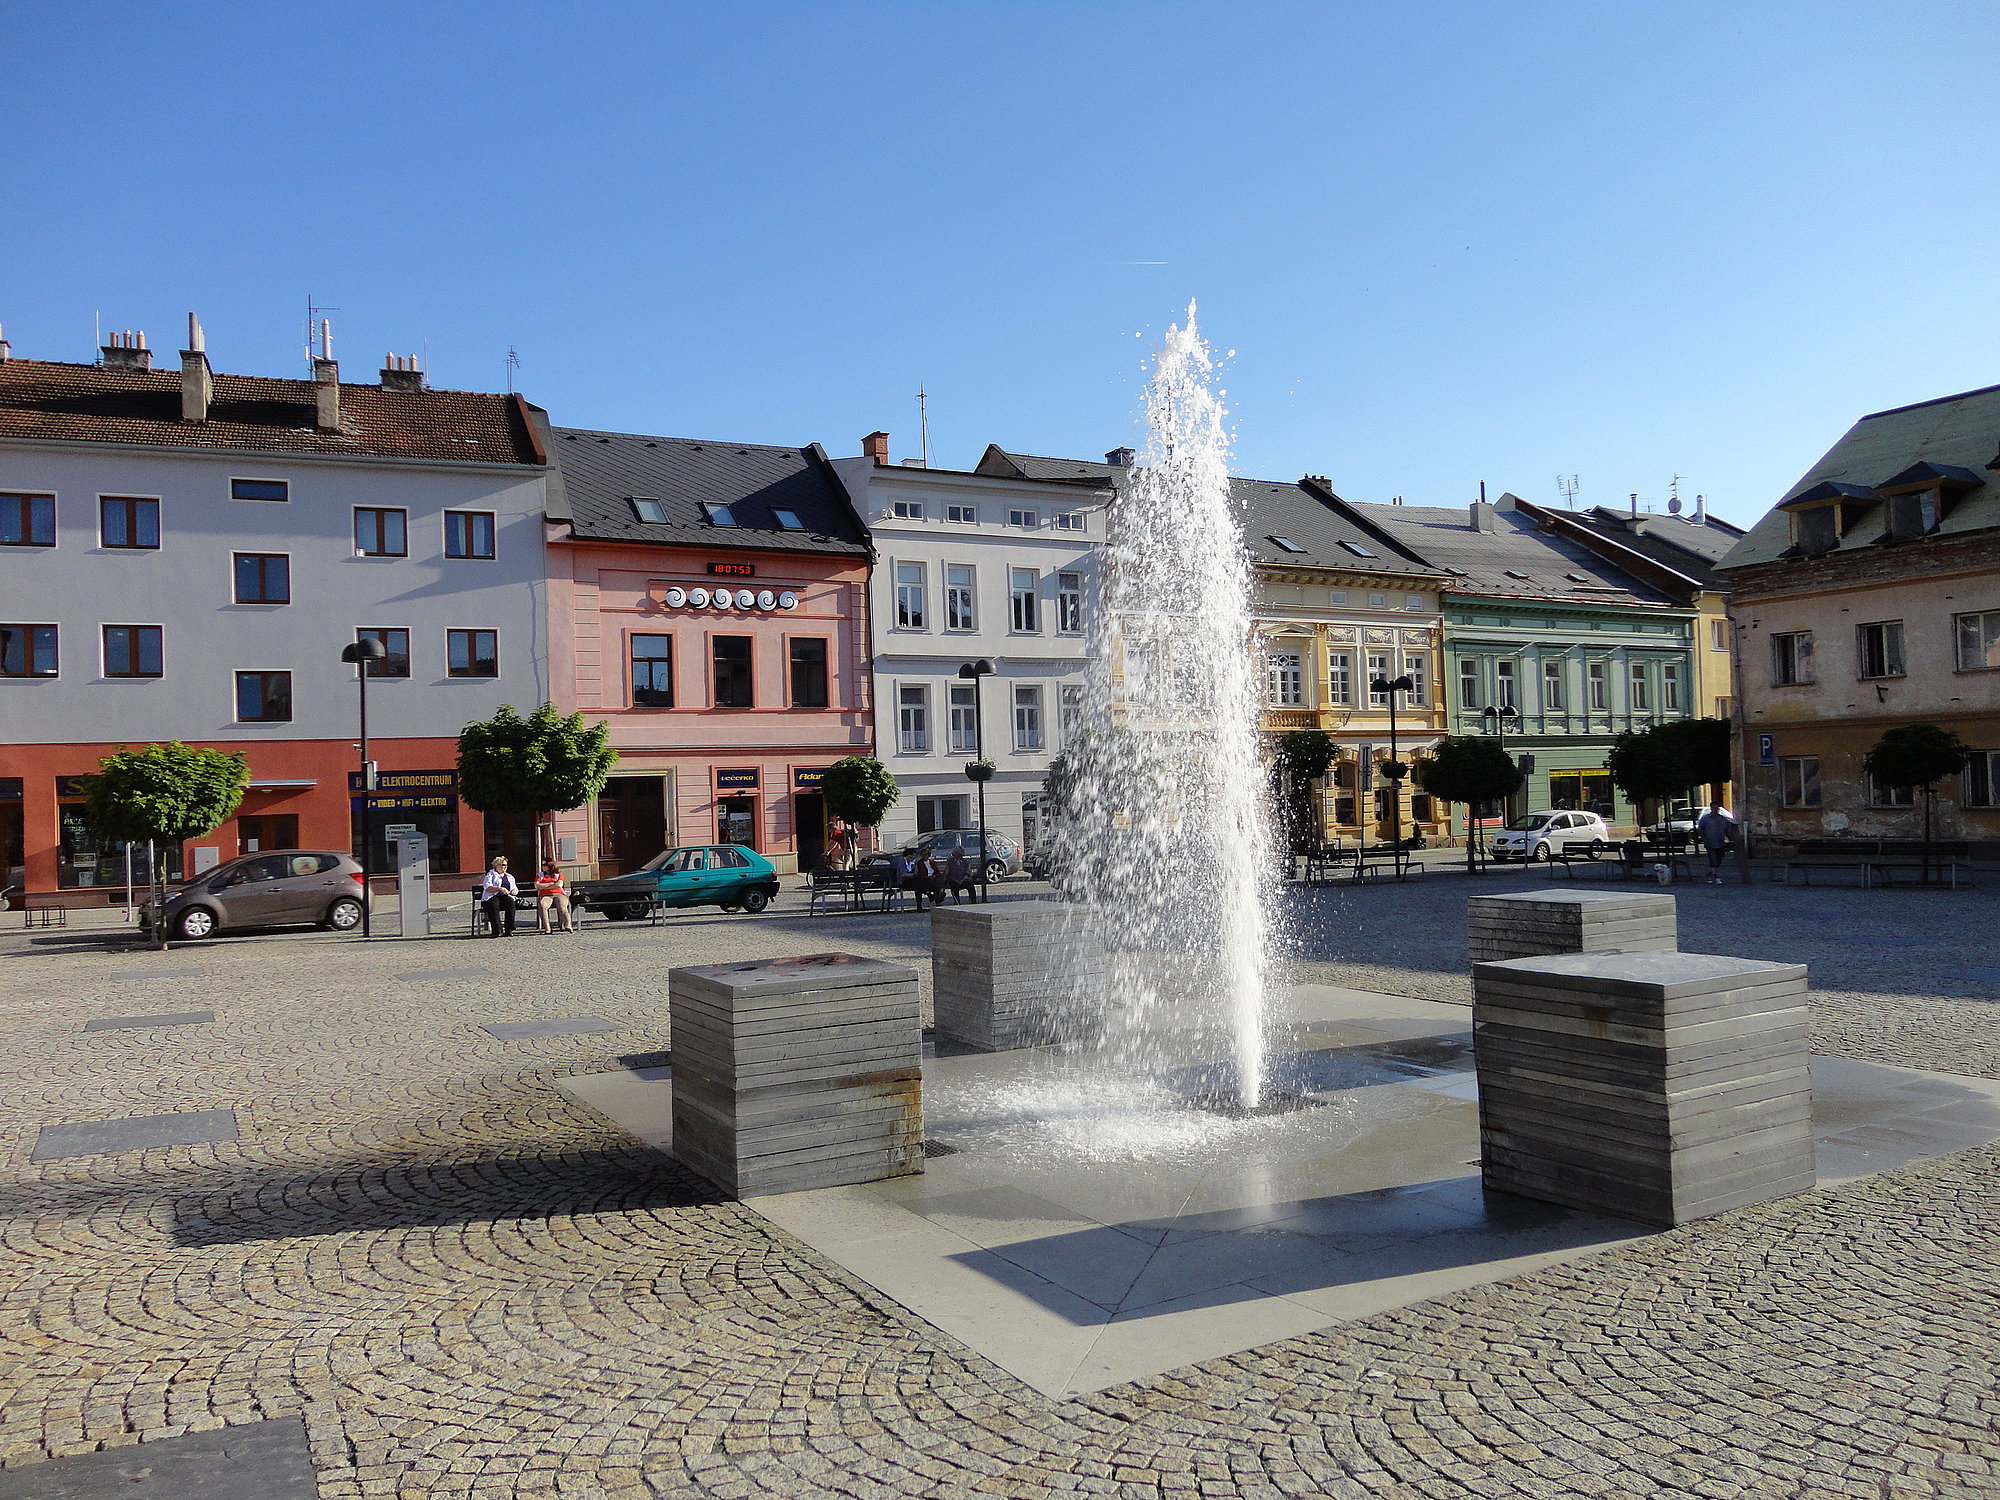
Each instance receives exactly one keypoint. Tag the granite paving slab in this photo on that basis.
(134, 975)
(128, 1023)
(514, 1031)
(423, 975)
(134, 1133)
(251, 1461)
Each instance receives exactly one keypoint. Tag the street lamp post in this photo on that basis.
(979, 773)
(368, 649)
(1497, 719)
(1388, 688)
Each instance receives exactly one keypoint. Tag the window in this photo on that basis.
(1468, 684)
(1378, 669)
(27, 651)
(1378, 601)
(1357, 549)
(1554, 701)
(733, 687)
(1413, 601)
(1982, 779)
(1798, 780)
(1879, 648)
(1791, 658)
(27, 520)
(472, 653)
(788, 520)
(961, 513)
(396, 643)
(808, 662)
(132, 651)
(264, 697)
(1416, 668)
(468, 533)
(942, 814)
(1027, 718)
(1724, 707)
(1069, 520)
(1021, 600)
(1024, 518)
(960, 610)
(124, 521)
(1503, 685)
(1718, 635)
(908, 510)
(1889, 796)
(263, 578)
(381, 533)
(1670, 686)
(909, 596)
(1978, 641)
(260, 489)
(1287, 678)
(1285, 544)
(1336, 596)
(913, 718)
(1069, 603)
(1642, 688)
(1069, 711)
(648, 510)
(652, 671)
(1340, 679)
(1599, 679)
(717, 513)
(964, 720)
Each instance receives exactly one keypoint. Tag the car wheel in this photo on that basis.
(195, 922)
(633, 911)
(996, 869)
(1537, 854)
(1597, 848)
(756, 901)
(344, 915)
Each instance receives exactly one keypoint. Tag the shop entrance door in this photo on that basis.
(266, 831)
(631, 822)
(736, 821)
(809, 815)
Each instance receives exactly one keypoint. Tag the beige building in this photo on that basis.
(1867, 599)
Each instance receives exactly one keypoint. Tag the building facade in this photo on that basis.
(185, 555)
(1869, 598)
(708, 601)
(972, 566)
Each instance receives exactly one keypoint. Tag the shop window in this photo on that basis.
(267, 831)
(1582, 791)
(85, 861)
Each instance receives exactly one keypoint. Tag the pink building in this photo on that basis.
(709, 601)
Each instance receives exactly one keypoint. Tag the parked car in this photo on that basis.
(1538, 835)
(1003, 854)
(322, 886)
(730, 876)
(1680, 820)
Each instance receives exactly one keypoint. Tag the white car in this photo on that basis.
(1541, 834)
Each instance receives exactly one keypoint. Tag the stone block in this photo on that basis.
(1661, 1086)
(1528, 924)
(1015, 973)
(797, 1073)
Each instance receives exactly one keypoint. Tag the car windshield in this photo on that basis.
(1530, 823)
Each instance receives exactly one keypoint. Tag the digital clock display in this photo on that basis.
(734, 570)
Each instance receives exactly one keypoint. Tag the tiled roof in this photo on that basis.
(1328, 538)
(998, 460)
(1485, 562)
(603, 472)
(90, 403)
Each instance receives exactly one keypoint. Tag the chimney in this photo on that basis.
(197, 385)
(3, 346)
(127, 351)
(1483, 517)
(326, 381)
(400, 373)
(1120, 458)
(876, 446)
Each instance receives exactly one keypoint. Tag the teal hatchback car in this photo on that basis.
(725, 875)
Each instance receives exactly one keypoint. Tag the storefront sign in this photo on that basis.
(74, 786)
(807, 781)
(406, 781)
(742, 780)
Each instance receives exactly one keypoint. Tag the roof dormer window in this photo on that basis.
(718, 513)
(1357, 549)
(788, 520)
(1285, 544)
(1921, 496)
(648, 509)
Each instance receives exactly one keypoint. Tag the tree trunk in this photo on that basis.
(156, 888)
(1929, 796)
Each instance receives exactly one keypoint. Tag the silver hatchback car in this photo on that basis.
(264, 890)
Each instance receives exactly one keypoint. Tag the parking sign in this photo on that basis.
(1767, 750)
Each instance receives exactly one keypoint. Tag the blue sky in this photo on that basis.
(1447, 241)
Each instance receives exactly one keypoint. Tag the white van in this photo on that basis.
(1541, 834)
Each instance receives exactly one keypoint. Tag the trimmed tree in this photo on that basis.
(1918, 755)
(859, 791)
(546, 763)
(164, 794)
(1300, 758)
(1672, 760)
(1469, 768)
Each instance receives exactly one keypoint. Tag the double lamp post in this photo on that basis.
(362, 653)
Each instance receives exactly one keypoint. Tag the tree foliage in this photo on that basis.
(547, 762)
(1916, 755)
(859, 790)
(1305, 755)
(1469, 768)
(1669, 760)
(164, 793)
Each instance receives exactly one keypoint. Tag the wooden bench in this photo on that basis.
(1383, 856)
(1881, 859)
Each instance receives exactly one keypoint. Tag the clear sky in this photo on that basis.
(1447, 241)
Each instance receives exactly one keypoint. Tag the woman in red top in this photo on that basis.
(551, 890)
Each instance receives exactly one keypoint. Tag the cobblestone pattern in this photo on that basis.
(468, 1286)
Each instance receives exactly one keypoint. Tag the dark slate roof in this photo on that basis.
(998, 461)
(603, 471)
(1691, 548)
(1480, 561)
(90, 403)
(1271, 508)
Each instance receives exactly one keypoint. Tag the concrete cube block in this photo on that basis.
(1013, 974)
(1527, 924)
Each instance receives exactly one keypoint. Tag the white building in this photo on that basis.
(184, 556)
(973, 567)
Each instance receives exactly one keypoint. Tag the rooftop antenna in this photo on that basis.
(513, 364)
(1567, 487)
(1674, 496)
(314, 314)
(97, 334)
(924, 423)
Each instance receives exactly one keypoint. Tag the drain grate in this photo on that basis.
(939, 1148)
(1274, 1102)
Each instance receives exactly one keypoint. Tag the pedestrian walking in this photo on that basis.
(1717, 832)
(958, 876)
(496, 894)
(552, 895)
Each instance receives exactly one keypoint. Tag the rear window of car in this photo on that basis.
(726, 859)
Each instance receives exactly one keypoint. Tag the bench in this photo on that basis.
(1633, 860)
(1881, 860)
(1384, 856)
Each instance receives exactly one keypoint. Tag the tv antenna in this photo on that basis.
(924, 423)
(1674, 496)
(313, 312)
(1567, 487)
(513, 364)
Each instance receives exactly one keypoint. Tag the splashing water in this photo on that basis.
(1164, 828)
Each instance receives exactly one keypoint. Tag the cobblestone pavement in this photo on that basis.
(467, 1285)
